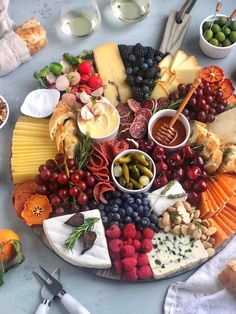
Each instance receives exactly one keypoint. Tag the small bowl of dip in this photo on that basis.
(101, 121)
(4, 112)
(182, 127)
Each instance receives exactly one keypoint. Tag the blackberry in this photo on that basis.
(139, 50)
(125, 50)
(139, 61)
(150, 73)
(130, 80)
(150, 53)
(138, 93)
(148, 82)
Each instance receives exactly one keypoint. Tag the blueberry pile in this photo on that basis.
(123, 208)
(141, 68)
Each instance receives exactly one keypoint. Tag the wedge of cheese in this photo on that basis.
(166, 62)
(188, 74)
(189, 62)
(112, 72)
(179, 57)
(159, 91)
(166, 75)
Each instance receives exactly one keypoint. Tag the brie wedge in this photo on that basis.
(57, 232)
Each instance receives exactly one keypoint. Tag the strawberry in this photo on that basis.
(115, 245)
(145, 272)
(146, 245)
(131, 275)
(95, 82)
(127, 250)
(148, 233)
(119, 268)
(142, 259)
(129, 231)
(136, 244)
(85, 67)
(113, 232)
(138, 235)
(129, 263)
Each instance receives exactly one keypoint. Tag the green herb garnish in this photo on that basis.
(78, 232)
(85, 149)
(173, 216)
(41, 76)
(174, 196)
(198, 149)
(56, 68)
(166, 189)
(227, 152)
(72, 60)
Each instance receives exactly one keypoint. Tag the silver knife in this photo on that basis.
(44, 307)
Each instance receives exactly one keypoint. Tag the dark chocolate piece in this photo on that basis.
(88, 239)
(76, 220)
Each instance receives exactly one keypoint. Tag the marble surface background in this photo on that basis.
(20, 293)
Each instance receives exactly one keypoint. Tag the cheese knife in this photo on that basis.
(44, 307)
(55, 288)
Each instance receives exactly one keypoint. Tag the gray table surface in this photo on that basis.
(20, 293)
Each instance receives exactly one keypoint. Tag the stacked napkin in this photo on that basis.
(202, 293)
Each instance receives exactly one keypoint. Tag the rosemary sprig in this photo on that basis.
(174, 196)
(173, 216)
(85, 149)
(168, 187)
(227, 152)
(198, 149)
(78, 232)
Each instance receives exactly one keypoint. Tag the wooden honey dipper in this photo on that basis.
(167, 132)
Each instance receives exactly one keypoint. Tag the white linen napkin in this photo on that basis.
(201, 293)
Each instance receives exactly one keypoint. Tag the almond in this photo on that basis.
(166, 219)
(187, 206)
(197, 234)
(171, 209)
(207, 245)
(197, 214)
(211, 231)
(211, 252)
(177, 229)
(184, 229)
(167, 228)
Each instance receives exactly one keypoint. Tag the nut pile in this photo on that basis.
(3, 111)
(184, 219)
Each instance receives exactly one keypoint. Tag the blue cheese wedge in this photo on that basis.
(172, 254)
(159, 203)
(57, 232)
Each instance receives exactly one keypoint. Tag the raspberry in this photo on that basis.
(131, 275)
(129, 231)
(148, 233)
(146, 245)
(127, 250)
(119, 268)
(85, 67)
(142, 259)
(129, 263)
(113, 232)
(115, 245)
(145, 272)
(138, 235)
(115, 256)
(136, 244)
(128, 241)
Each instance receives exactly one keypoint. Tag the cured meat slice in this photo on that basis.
(123, 134)
(138, 129)
(99, 189)
(128, 118)
(141, 118)
(149, 103)
(122, 109)
(134, 105)
(119, 147)
(145, 112)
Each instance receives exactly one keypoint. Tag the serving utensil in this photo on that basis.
(217, 9)
(233, 14)
(55, 288)
(167, 133)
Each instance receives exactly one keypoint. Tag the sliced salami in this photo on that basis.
(134, 105)
(149, 103)
(141, 118)
(145, 112)
(124, 133)
(138, 129)
(100, 188)
(128, 118)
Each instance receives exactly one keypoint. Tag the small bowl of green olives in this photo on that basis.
(217, 39)
(133, 171)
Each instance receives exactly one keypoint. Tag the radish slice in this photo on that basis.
(69, 97)
(62, 82)
(86, 114)
(98, 92)
(98, 109)
(51, 78)
(84, 97)
(106, 101)
(74, 78)
(66, 67)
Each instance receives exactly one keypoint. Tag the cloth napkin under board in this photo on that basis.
(201, 293)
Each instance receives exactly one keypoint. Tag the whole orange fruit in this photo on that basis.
(7, 250)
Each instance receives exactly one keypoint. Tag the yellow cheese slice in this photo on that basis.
(166, 75)
(191, 62)
(166, 62)
(112, 72)
(159, 91)
(32, 120)
(179, 57)
(188, 75)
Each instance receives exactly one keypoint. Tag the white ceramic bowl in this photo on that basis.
(210, 50)
(108, 137)
(168, 113)
(120, 187)
(5, 121)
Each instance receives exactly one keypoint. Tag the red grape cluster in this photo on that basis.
(205, 103)
(185, 166)
(64, 191)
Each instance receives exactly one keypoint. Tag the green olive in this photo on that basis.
(232, 26)
(232, 37)
(208, 34)
(214, 42)
(220, 36)
(226, 42)
(222, 20)
(206, 25)
(226, 31)
(215, 28)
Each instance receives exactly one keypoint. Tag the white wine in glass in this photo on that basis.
(80, 17)
(131, 11)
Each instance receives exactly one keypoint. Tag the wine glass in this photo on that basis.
(131, 11)
(80, 17)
